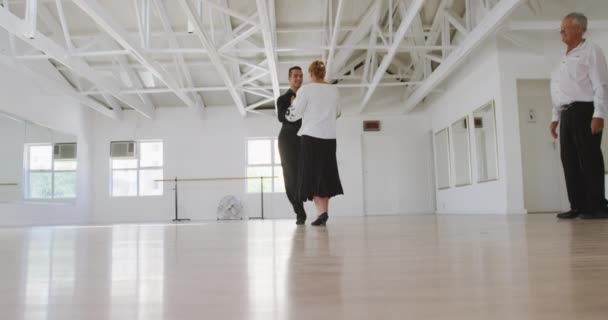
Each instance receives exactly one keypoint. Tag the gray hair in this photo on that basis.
(578, 19)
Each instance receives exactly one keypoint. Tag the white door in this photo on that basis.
(544, 184)
(380, 173)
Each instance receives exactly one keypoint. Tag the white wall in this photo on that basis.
(213, 145)
(30, 100)
(474, 84)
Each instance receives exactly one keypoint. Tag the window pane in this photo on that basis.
(124, 183)
(259, 152)
(124, 163)
(151, 154)
(63, 165)
(65, 184)
(254, 185)
(277, 155)
(147, 185)
(279, 182)
(41, 157)
(40, 185)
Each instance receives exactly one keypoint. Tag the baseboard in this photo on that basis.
(488, 212)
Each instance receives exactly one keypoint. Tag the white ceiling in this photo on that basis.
(102, 51)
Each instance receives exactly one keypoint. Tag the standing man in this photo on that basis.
(289, 144)
(579, 90)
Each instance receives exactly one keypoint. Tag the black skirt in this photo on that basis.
(318, 169)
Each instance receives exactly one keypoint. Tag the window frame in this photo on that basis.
(274, 155)
(138, 170)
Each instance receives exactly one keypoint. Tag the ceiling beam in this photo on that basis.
(14, 25)
(239, 38)
(486, 27)
(56, 86)
(31, 18)
(334, 39)
(423, 68)
(94, 10)
(134, 79)
(457, 22)
(301, 51)
(231, 13)
(112, 102)
(56, 27)
(356, 36)
(229, 34)
(551, 25)
(266, 87)
(260, 103)
(64, 25)
(269, 46)
(181, 66)
(406, 22)
(213, 54)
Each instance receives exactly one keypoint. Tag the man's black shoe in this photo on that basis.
(572, 214)
(595, 215)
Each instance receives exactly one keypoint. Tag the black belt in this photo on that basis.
(577, 103)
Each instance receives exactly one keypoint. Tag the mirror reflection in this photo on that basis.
(484, 121)
(461, 151)
(38, 163)
(442, 159)
(12, 137)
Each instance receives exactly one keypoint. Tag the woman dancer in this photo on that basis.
(317, 104)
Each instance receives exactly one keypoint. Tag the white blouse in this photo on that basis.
(318, 105)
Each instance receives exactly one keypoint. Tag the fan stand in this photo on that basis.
(177, 218)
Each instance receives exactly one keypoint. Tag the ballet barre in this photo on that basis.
(176, 180)
(8, 184)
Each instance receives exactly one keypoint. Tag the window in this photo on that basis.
(263, 160)
(132, 177)
(47, 177)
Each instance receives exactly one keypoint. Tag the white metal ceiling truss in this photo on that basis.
(390, 46)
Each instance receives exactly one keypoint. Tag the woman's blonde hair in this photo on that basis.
(318, 69)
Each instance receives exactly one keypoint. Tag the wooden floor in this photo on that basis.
(417, 267)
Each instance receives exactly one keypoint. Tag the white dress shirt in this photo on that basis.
(318, 105)
(582, 77)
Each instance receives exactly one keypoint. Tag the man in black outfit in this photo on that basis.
(289, 144)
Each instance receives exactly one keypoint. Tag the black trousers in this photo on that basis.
(289, 149)
(582, 158)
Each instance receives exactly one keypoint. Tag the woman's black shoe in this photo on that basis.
(301, 219)
(321, 220)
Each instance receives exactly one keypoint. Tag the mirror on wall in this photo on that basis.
(12, 137)
(442, 158)
(461, 152)
(38, 163)
(484, 123)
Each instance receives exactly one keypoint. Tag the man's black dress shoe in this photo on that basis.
(301, 218)
(572, 214)
(595, 215)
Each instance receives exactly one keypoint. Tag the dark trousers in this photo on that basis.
(582, 158)
(289, 149)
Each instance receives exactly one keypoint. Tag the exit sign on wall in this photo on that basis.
(371, 125)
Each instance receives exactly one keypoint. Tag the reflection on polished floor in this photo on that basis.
(414, 267)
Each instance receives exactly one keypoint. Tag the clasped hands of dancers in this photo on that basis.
(307, 142)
